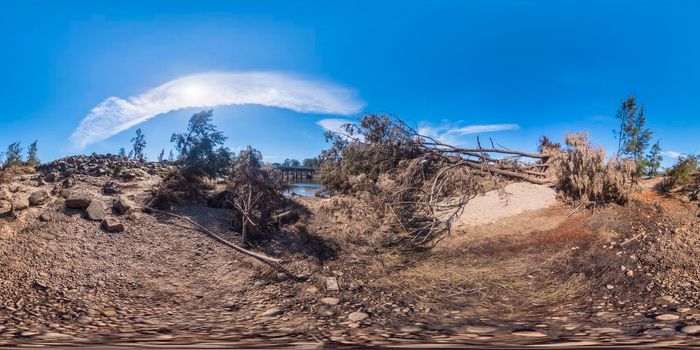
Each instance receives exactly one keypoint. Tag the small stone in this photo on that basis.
(667, 317)
(330, 301)
(112, 225)
(96, 211)
(481, 329)
(281, 276)
(610, 286)
(605, 330)
(332, 284)
(110, 188)
(312, 290)
(354, 325)
(693, 330)
(20, 204)
(683, 309)
(324, 312)
(629, 273)
(39, 197)
(109, 313)
(357, 316)
(272, 312)
(410, 329)
(530, 334)
(45, 216)
(665, 300)
(229, 305)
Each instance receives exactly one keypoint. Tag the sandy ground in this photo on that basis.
(513, 199)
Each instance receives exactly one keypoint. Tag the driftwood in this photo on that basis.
(261, 257)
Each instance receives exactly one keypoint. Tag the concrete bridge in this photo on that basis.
(296, 172)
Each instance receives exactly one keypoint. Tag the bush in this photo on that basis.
(681, 174)
(586, 177)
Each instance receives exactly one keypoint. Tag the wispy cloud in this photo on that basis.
(673, 154)
(115, 114)
(333, 124)
(453, 135)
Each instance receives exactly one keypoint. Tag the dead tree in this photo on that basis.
(419, 184)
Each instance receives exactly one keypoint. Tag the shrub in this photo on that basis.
(681, 173)
(586, 177)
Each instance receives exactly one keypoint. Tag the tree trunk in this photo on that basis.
(244, 231)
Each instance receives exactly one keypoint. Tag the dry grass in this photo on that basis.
(586, 177)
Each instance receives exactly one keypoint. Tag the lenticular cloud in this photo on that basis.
(115, 114)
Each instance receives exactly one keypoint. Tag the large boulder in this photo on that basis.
(39, 197)
(96, 210)
(5, 194)
(78, 200)
(112, 225)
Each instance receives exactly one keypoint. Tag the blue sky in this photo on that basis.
(547, 67)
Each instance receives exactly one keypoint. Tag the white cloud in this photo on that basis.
(333, 124)
(673, 154)
(207, 90)
(453, 135)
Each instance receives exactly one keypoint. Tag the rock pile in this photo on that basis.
(99, 165)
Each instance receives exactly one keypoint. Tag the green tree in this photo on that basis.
(632, 136)
(652, 163)
(161, 156)
(13, 156)
(32, 158)
(291, 162)
(311, 163)
(197, 147)
(171, 156)
(122, 152)
(139, 144)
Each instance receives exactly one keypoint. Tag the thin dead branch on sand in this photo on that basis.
(261, 257)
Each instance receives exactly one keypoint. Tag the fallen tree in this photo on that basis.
(419, 185)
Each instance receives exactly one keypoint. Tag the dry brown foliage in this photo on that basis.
(586, 177)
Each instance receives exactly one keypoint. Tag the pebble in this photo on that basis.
(410, 329)
(481, 329)
(530, 334)
(357, 316)
(330, 301)
(665, 300)
(694, 329)
(667, 317)
(271, 312)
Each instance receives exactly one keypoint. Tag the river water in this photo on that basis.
(304, 188)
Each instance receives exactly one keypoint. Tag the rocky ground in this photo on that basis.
(549, 275)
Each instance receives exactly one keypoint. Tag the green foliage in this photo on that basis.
(652, 162)
(291, 162)
(376, 145)
(32, 158)
(139, 144)
(161, 156)
(13, 155)
(197, 148)
(682, 172)
(632, 137)
(122, 152)
(311, 163)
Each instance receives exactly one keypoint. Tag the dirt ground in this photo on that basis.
(553, 275)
